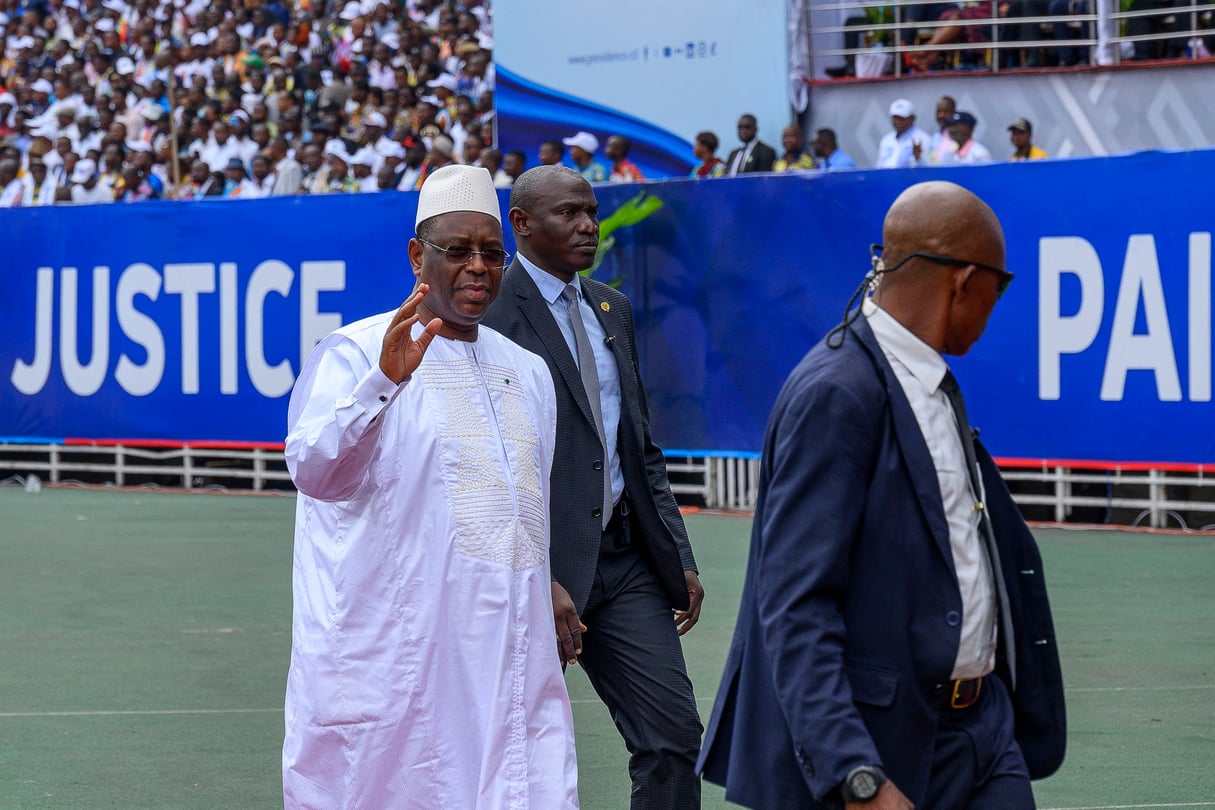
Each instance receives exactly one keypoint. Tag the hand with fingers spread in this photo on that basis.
(685, 620)
(402, 353)
(569, 627)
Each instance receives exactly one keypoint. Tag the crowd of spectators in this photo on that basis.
(110, 100)
(951, 141)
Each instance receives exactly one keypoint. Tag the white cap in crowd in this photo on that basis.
(335, 148)
(84, 171)
(583, 140)
(902, 108)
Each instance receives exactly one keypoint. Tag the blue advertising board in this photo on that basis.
(189, 321)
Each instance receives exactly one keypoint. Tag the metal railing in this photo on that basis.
(183, 467)
(887, 39)
(1157, 498)
(1162, 497)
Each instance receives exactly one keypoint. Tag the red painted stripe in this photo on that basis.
(1009, 463)
(200, 444)
(1104, 466)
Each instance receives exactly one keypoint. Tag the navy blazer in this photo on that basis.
(521, 314)
(847, 631)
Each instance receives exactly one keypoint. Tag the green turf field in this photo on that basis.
(144, 640)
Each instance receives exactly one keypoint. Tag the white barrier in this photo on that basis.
(1157, 498)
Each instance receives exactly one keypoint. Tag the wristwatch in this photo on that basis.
(862, 783)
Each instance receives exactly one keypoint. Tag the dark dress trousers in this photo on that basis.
(631, 652)
(848, 628)
(761, 159)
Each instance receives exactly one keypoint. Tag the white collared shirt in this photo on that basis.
(610, 404)
(920, 370)
(897, 151)
(740, 160)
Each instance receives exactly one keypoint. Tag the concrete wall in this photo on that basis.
(1100, 111)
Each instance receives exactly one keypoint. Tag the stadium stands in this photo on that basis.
(108, 100)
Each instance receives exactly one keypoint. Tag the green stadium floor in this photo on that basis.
(144, 640)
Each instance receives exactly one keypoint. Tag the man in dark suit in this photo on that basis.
(621, 561)
(754, 155)
(894, 645)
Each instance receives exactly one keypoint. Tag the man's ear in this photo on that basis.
(961, 281)
(519, 222)
(416, 249)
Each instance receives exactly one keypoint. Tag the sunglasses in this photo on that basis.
(1005, 277)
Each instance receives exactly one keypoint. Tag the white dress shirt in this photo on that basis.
(551, 288)
(740, 159)
(920, 369)
(897, 151)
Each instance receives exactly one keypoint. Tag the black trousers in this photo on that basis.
(632, 654)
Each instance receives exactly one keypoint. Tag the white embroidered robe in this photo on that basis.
(424, 669)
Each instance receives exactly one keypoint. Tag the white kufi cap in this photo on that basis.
(458, 188)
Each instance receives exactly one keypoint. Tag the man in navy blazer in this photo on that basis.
(894, 646)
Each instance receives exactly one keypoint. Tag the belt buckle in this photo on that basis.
(959, 701)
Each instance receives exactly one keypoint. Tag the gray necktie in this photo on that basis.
(590, 381)
(950, 386)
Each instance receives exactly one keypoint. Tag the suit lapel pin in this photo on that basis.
(605, 306)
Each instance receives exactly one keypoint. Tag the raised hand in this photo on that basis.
(402, 354)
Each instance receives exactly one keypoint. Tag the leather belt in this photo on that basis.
(962, 693)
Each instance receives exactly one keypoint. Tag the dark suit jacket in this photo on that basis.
(761, 159)
(848, 630)
(521, 314)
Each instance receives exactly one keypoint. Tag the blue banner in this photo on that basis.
(189, 321)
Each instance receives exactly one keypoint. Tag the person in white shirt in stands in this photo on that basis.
(261, 177)
(942, 146)
(362, 167)
(961, 129)
(221, 148)
(87, 185)
(12, 189)
(39, 188)
(907, 144)
(424, 670)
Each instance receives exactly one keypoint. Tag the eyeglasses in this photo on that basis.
(1004, 276)
(458, 255)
